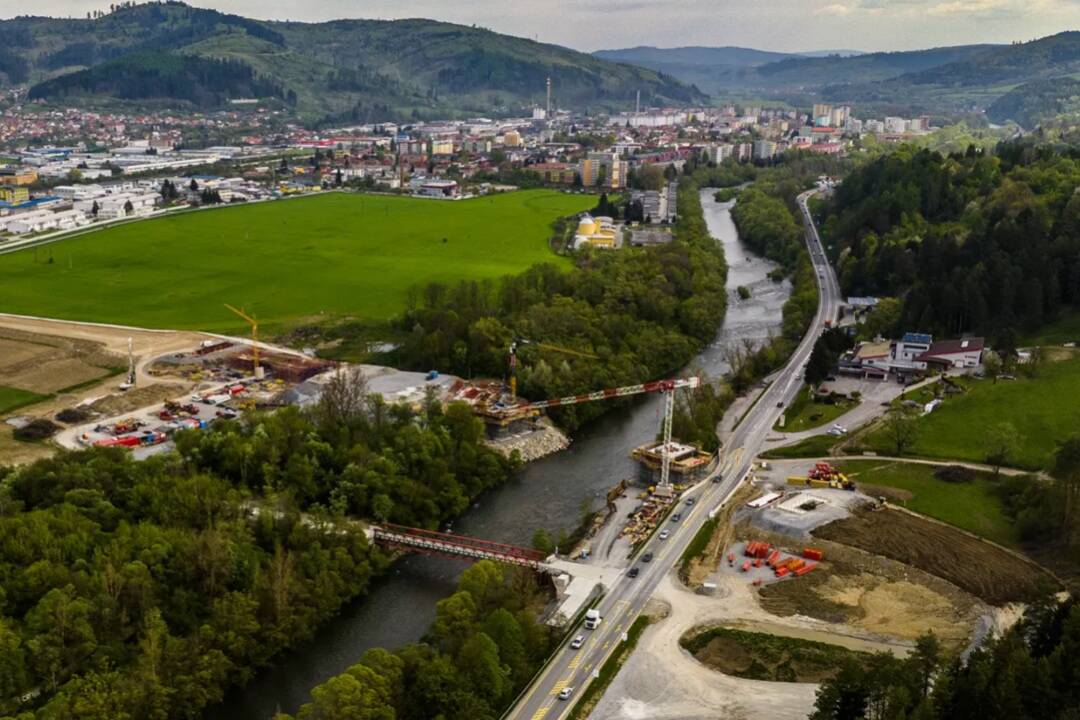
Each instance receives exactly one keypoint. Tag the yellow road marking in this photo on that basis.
(558, 687)
(539, 714)
(576, 660)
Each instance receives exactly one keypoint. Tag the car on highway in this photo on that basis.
(646, 557)
(566, 693)
(690, 501)
(633, 572)
(577, 642)
(780, 404)
(676, 517)
(664, 534)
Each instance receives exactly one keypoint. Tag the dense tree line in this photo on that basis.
(145, 589)
(643, 312)
(482, 649)
(974, 242)
(205, 82)
(142, 590)
(1030, 673)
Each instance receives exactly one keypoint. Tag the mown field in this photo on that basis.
(14, 398)
(315, 257)
(1043, 409)
(972, 506)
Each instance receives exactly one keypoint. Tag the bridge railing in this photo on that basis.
(461, 546)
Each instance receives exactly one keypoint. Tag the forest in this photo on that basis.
(1030, 673)
(979, 242)
(205, 82)
(146, 589)
(482, 649)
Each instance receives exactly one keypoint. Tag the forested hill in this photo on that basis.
(362, 69)
(204, 82)
(982, 243)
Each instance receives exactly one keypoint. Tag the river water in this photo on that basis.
(548, 493)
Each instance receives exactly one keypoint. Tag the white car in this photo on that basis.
(664, 534)
(566, 693)
(840, 429)
(577, 642)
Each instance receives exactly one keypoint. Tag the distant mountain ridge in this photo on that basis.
(340, 70)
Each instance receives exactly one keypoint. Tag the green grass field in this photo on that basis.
(1065, 329)
(805, 413)
(324, 256)
(970, 506)
(1043, 409)
(14, 398)
(811, 447)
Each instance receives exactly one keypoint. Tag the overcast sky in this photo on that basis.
(785, 25)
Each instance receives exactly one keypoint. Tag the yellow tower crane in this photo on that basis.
(543, 346)
(254, 338)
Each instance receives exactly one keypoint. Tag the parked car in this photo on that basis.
(577, 642)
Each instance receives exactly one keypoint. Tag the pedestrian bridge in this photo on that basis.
(462, 547)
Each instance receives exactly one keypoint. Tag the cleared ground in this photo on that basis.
(329, 255)
(35, 366)
(982, 569)
(1043, 409)
(972, 506)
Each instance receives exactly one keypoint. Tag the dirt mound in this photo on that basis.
(760, 656)
(985, 570)
(137, 398)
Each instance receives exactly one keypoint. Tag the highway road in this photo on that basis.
(627, 596)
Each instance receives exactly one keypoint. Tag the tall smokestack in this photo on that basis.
(547, 112)
(637, 105)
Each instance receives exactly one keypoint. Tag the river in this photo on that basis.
(548, 493)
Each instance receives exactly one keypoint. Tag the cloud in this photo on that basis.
(834, 9)
(968, 7)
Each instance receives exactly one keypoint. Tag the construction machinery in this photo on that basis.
(823, 475)
(663, 386)
(254, 339)
(542, 346)
(129, 379)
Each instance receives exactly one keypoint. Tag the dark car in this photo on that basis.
(633, 572)
(780, 404)
(676, 517)
(646, 557)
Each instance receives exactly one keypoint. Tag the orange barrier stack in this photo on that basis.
(813, 554)
(781, 571)
(805, 569)
(757, 549)
(774, 557)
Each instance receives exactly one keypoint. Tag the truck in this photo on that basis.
(592, 619)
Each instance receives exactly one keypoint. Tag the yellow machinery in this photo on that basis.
(254, 339)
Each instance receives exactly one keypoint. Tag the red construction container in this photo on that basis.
(812, 554)
(781, 571)
(757, 563)
(774, 557)
(805, 569)
(746, 566)
(731, 558)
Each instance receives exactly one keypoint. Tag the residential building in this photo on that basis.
(911, 346)
(895, 125)
(764, 149)
(603, 169)
(962, 353)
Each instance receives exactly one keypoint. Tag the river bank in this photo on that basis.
(548, 494)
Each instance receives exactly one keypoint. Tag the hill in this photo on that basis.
(1036, 102)
(345, 69)
(722, 70)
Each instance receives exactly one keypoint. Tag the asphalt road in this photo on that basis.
(628, 596)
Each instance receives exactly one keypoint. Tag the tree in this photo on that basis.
(901, 428)
(128, 208)
(1066, 469)
(95, 209)
(61, 634)
(194, 185)
(1001, 444)
(992, 365)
